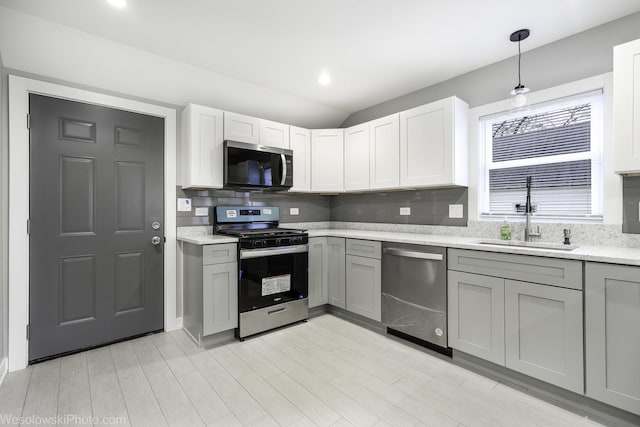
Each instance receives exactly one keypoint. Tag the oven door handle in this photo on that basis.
(285, 250)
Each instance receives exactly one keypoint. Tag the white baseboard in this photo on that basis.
(179, 323)
(4, 368)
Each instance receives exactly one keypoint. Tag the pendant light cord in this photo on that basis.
(519, 60)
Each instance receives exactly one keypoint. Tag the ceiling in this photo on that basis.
(374, 50)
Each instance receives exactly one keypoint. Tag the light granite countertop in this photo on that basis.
(207, 239)
(606, 254)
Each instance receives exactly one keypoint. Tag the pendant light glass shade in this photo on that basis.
(519, 99)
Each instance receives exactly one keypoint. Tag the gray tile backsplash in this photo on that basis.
(312, 207)
(631, 204)
(428, 207)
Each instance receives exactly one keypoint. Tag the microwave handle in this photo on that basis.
(284, 169)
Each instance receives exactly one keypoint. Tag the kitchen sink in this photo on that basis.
(532, 245)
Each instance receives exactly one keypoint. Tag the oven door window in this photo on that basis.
(271, 280)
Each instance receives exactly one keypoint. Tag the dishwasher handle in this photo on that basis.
(413, 254)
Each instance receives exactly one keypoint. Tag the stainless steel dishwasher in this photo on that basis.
(414, 292)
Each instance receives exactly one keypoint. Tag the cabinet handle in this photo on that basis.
(284, 169)
(280, 310)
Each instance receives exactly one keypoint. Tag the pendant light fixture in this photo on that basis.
(519, 100)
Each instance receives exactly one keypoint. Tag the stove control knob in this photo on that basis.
(278, 242)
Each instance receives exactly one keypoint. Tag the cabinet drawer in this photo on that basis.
(548, 271)
(219, 254)
(365, 248)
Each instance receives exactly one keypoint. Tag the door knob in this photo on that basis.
(156, 240)
(155, 225)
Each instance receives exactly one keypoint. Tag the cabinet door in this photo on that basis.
(202, 147)
(384, 152)
(626, 98)
(300, 143)
(356, 158)
(327, 160)
(612, 304)
(543, 333)
(274, 134)
(219, 298)
(337, 275)
(318, 270)
(241, 128)
(476, 315)
(364, 286)
(433, 144)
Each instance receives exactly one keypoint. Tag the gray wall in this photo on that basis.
(312, 207)
(579, 56)
(428, 207)
(4, 214)
(631, 204)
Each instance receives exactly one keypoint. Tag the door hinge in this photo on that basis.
(28, 226)
(28, 121)
(27, 331)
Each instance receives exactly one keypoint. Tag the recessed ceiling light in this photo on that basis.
(324, 79)
(117, 3)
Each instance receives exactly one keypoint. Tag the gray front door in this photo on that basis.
(96, 188)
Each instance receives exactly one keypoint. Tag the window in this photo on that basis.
(558, 144)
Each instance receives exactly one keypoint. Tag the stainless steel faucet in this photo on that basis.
(528, 232)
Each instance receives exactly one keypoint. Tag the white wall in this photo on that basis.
(45, 48)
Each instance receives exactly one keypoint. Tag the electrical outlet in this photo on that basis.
(184, 205)
(202, 211)
(294, 211)
(405, 211)
(456, 211)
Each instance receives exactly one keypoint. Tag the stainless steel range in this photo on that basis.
(272, 267)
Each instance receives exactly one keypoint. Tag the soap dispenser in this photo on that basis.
(505, 230)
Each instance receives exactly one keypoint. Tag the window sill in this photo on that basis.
(586, 219)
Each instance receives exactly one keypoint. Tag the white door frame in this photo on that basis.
(19, 90)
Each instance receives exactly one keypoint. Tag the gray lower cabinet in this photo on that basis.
(318, 271)
(612, 331)
(337, 275)
(210, 281)
(476, 315)
(364, 278)
(543, 333)
(519, 311)
(327, 271)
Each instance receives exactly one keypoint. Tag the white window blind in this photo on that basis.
(558, 144)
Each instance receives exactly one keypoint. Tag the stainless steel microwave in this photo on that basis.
(257, 167)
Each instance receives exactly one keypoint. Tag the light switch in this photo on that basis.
(202, 211)
(184, 205)
(456, 211)
(405, 211)
(294, 211)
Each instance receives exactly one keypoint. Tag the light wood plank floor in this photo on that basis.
(326, 372)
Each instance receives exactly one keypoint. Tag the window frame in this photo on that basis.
(597, 98)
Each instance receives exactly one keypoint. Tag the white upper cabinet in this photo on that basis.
(300, 140)
(241, 128)
(356, 158)
(274, 134)
(327, 160)
(433, 144)
(626, 104)
(384, 152)
(202, 147)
